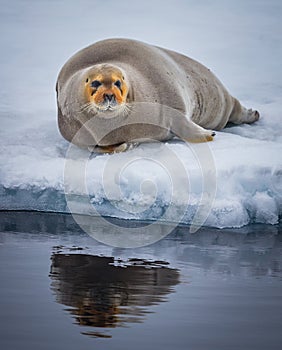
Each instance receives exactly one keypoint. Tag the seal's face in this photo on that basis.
(105, 88)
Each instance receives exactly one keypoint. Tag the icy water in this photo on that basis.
(61, 289)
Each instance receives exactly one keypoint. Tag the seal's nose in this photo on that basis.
(109, 97)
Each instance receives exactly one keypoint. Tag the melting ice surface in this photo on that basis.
(236, 180)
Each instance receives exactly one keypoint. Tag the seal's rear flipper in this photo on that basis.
(242, 115)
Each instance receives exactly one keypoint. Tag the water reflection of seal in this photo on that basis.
(106, 78)
(101, 294)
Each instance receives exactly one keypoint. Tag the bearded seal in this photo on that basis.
(119, 92)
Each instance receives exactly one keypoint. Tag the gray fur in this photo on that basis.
(170, 94)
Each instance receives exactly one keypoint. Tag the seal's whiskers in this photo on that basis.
(88, 107)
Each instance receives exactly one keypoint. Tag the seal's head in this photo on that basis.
(106, 88)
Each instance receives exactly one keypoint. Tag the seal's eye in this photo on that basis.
(118, 84)
(95, 84)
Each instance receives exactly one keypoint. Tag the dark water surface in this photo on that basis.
(61, 289)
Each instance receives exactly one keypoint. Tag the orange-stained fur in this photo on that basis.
(107, 78)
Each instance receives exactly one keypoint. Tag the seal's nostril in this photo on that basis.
(109, 97)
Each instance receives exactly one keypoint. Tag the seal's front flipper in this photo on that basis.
(203, 137)
(126, 146)
(188, 131)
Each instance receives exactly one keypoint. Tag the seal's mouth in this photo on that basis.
(93, 108)
(111, 111)
(103, 108)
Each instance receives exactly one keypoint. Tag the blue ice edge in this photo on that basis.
(54, 200)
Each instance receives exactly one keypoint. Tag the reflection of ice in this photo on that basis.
(253, 251)
(101, 294)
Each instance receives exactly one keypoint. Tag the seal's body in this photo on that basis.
(117, 91)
